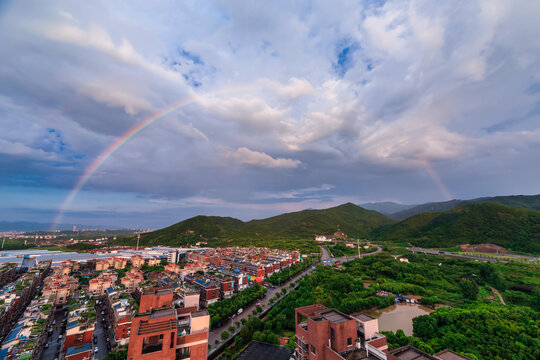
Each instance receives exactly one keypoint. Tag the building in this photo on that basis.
(209, 291)
(78, 332)
(102, 265)
(60, 288)
(172, 268)
(154, 261)
(79, 352)
(226, 287)
(159, 331)
(137, 261)
(324, 333)
(98, 286)
(121, 313)
(131, 280)
(327, 334)
(173, 256)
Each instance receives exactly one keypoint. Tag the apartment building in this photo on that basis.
(209, 291)
(159, 331)
(60, 288)
(226, 287)
(131, 280)
(78, 332)
(98, 286)
(137, 261)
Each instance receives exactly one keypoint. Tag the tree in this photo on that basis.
(469, 289)
(231, 329)
(224, 335)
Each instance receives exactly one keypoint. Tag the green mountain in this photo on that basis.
(302, 225)
(522, 201)
(514, 228)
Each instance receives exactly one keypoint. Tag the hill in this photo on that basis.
(429, 207)
(386, 207)
(513, 228)
(302, 225)
(531, 202)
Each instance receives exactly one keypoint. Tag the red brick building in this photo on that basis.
(166, 333)
(322, 333)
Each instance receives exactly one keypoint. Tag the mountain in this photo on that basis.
(349, 218)
(514, 228)
(429, 207)
(386, 207)
(522, 201)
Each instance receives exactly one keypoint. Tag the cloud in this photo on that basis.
(114, 96)
(245, 156)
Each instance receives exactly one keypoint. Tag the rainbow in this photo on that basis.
(152, 118)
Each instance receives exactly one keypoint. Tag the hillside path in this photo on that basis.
(496, 292)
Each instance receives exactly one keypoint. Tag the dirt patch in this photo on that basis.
(484, 248)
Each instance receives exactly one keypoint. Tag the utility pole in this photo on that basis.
(358, 247)
(138, 238)
(4, 241)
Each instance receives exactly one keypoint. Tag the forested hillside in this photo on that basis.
(294, 229)
(516, 229)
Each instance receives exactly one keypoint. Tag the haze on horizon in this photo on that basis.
(304, 104)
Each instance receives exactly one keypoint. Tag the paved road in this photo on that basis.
(468, 256)
(101, 333)
(54, 346)
(216, 333)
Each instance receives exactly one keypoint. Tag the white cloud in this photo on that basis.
(115, 94)
(245, 156)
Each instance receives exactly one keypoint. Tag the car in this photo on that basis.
(54, 322)
(60, 337)
(46, 345)
(103, 313)
(96, 349)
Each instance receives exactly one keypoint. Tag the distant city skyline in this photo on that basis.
(122, 115)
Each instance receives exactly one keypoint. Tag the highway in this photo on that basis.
(216, 333)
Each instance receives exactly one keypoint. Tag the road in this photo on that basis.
(54, 348)
(216, 333)
(101, 333)
(468, 256)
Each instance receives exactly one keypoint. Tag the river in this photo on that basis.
(399, 316)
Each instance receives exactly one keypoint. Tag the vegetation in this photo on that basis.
(120, 354)
(227, 307)
(286, 231)
(477, 331)
(341, 249)
(513, 228)
(531, 202)
(290, 272)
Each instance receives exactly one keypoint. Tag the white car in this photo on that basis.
(96, 349)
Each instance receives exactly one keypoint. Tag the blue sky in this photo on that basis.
(305, 104)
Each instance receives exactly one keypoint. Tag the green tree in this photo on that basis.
(469, 289)
(225, 335)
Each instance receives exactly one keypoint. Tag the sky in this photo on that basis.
(143, 113)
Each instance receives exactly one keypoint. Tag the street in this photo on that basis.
(216, 333)
(101, 333)
(54, 348)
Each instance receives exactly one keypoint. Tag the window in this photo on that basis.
(172, 340)
(183, 353)
(313, 349)
(349, 341)
(332, 333)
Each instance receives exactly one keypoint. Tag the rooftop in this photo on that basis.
(79, 349)
(364, 317)
(257, 350)
(332, 315)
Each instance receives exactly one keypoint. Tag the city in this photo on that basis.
(270, 180)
